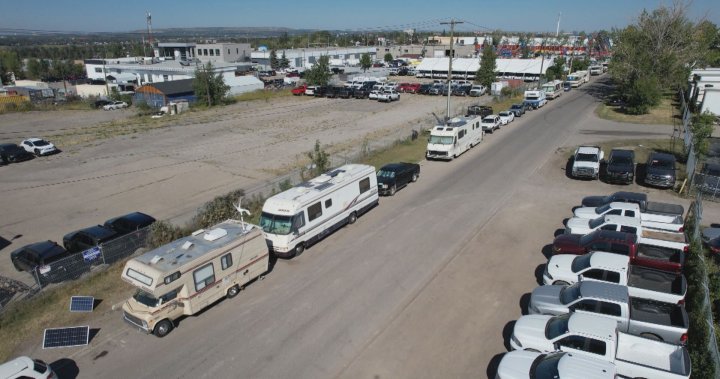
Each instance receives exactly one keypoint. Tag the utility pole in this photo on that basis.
(450, 59)
(542, 63)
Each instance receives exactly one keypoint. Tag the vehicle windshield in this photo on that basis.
(586, 239)
(602, 209)
(40, 143)
(145, 298)
(580, 263)
(622, 160)
(663, 164)
(595, 223)
(546, 367)
(489, 120)
(275, 224)
(516, 107)
(570, 294)
(586, 157)
(532, 97)
(557, 326)
(385, 174)
(441, 140)
(504, 114)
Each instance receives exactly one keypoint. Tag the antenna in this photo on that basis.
(242, 211)
(148, 19)
(557, 31)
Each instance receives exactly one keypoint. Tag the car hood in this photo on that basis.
(516, 364)
(530, 332)
(577, 225)
(585, 212)
(710, 234)
(660, 171)
(567, 243)
(585, 164)
(593, 201)
(546, 300)
(559, 267)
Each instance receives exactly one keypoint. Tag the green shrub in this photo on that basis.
(163, 232)
(218, 210)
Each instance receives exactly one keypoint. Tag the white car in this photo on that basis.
(523, 364)
(25, 367)
(388, 96)
(490, 123)
(115, 105)
(310, 90)
(506, 117)
(38, 146)
(373, 95)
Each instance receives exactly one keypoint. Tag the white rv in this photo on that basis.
(578, 78)
(596, 70)
(294, 219)
(458, 136)
(535, 99)
(190, 274)
(553, 89)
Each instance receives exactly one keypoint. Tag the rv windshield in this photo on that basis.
(145, 298)
(441, 140)
(275, 224)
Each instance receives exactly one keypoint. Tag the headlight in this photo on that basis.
(145, 324)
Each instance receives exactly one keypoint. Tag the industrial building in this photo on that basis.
(205, 52)
(465, 68)
(157, 95)
(305, 58)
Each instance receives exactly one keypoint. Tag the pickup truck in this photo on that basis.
(647, 229)
(479, 110)
(477, 90)
(660, 170)
(525, 364)
(598, 338)
(620, 167)
(637, 198)
(388, 96)
(491, 123)
(627, 210)
(642, 283)
(586, 162)
(655, 256)
(645, 318)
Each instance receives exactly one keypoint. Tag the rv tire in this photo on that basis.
(233, 291)
(163, 328)
(352, 218)
(299, 249)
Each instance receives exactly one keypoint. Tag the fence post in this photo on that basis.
(36, 276)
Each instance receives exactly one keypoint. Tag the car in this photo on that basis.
(620, 166)
(388, 96)
(660, 170)
(129, 223)
(310, 90)
(491, 123)
(362, 92)
(332, 92)
(343, 92)
(115, 105)
(101, 103)
(38, 146)
(26, 368)
(479, 110)
(425, 89)
(12, 153)
(299, 91)
(321, 91)
(394, 176)
(506, 117)
(373, 95)
(567, 86)
(518, 109)
(36, 254)
(84, 239)
(460, 90)
(477, 90)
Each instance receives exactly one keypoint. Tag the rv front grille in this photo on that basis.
(133, 320)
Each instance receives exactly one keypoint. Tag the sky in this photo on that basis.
(366, 15)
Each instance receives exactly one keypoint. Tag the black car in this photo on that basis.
(321, 91)
(343, 92)
(479, 110)
(518, 109)
(461, 90)
(424, 89)
(709, 179)
(362, 92)
(12, 153)
(620, 167)
(660, 170)
(332, 92)
(394, 176)
(129, 223)
(88, 238)
(28, 257)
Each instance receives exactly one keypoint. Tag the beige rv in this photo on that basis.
(189, 274)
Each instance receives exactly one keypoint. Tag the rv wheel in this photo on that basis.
(299, 249)
(352, 218)
(163, 328)
(233, 291)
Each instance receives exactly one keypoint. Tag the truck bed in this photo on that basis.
(660, 253)
(651, 355)
(664, 236)
(664, 208)
(656, 280)
(658, 313)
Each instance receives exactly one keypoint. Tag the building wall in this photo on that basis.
(460, 51)
(223, 52)
(305, 58)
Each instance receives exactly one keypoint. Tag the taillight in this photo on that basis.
(681, 302)
(682, 228)
(684, 338)
(686, 248)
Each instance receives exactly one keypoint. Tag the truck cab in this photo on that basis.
(586, 162)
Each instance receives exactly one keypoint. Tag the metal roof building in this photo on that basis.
(465, 68)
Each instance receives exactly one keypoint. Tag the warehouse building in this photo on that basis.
(465, 68)
(306, 58)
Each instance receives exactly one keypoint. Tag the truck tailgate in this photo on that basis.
(664, 208)
(641, 357)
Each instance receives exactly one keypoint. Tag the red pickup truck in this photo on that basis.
(299, 91)
(409, 87)
(657, 257)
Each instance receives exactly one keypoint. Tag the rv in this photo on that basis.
(535, 98)
(553, 89)
(190, 274)
(596, 70)
(304, 214)
(458, 136)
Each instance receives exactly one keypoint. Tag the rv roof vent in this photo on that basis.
(198, 232)
(215, 234)
(156, 259)
(187, 245)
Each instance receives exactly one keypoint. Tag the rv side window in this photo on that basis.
(226, 261)
(203, 276)
(328, 203)
(364, 185)
(298, 221)
(172, 277)
(144, 279)
(314, 211)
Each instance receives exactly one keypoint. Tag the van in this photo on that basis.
(25, 367)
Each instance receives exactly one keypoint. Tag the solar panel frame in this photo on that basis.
(66, 337)
(82, 303)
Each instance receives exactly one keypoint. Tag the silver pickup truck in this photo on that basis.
(640, 317)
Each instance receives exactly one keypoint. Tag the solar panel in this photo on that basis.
(66, 337)
(82, 303)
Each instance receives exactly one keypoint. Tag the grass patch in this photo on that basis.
(401, 151)
(663, 114)
(263, 94)
(23, 322)
(503, 104)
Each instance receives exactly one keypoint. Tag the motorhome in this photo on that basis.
(535, 98)
(596, 70)
(578, 78)
(191, 273)
(294, 219)
(456, 137)
(553, 89)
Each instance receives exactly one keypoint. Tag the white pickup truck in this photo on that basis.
(525, 364)
(642, 282)
(625, 224)
(598, 337)
(628, 210)
(586, 162)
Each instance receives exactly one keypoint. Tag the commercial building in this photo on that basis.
(157, 95)
(305, 58)
(465, 68)
(223, 52)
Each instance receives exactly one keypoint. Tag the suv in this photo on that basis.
(479, 110)
(88, 238)
(12, 153)
(30, 256)
(620, 167)
(129, 223)
(586, 162)
(518, 109)
(490, 123)
(660, 170)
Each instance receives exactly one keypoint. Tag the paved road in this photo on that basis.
(421, 286)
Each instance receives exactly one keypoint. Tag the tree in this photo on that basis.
(319, 158)
(284, 62)
(556, 71)
(365, 62)
(702, 127)
(209, 88)
(580, 64)
(319, 74)
(388, 58)
(34, 69)
(274, 63)
(486, 73)
(709, 39)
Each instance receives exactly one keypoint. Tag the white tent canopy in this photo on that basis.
(468, 66)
